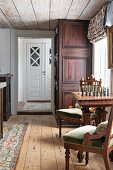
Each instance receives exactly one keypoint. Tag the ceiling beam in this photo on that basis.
(4, 22)
(26, 13)
(9, 10)
(92, 9)
(41, 8)
(59, 10)
(77, 8)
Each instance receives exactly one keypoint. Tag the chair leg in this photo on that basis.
(106, 161)
(87, 157)
(57, 121)
(80, 156)
(67, 156)
(60, 128)
(111, 156)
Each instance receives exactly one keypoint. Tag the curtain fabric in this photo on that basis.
(109, 15)
(96, 29)
(101, 62)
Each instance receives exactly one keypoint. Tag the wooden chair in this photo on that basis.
(71, 115)
(90, 86)
(91, 139)
(74, 115)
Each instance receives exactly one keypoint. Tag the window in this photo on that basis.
(101, 62)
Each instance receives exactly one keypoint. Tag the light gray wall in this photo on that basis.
(21, 68)
(14, 71)
(9, 62)
(9, 56)
(5, 51)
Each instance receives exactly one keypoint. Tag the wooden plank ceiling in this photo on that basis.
(44, 14)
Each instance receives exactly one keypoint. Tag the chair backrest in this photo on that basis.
(90, 86)
(109, 133)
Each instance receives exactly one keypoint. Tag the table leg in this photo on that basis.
(111, 156)
(104, 113)
(101, 115)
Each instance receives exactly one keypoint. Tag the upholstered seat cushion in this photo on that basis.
(101, 127)
(73, 112)
(77, 135)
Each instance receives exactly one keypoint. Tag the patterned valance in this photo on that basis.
(96, 29)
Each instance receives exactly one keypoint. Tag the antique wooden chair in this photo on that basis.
(91, 139)
(71, 115)
(74, 115)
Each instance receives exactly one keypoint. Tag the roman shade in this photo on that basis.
(96, 29)
(109, 15)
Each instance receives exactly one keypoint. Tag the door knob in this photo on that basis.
(43, 72)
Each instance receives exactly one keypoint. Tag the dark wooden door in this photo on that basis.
(74, 59)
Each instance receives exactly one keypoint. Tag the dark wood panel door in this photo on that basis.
(73, 69)
(74, 34)
(74, 59)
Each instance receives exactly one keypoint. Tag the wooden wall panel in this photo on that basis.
(67, 99)
(79, 52)
(74, 35)
(73, 69)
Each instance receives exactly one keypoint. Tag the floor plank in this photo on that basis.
(48, 157)
(43, 150)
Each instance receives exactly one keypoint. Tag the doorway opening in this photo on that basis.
(35, 75)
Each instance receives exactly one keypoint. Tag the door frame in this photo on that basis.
(24, 39)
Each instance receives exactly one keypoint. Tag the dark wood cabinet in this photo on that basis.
(73, 59)
(6, 95)
(2, 85)
(1, 113)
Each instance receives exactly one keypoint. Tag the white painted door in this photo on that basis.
(38, 72)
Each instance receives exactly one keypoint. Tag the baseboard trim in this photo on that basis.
(34, 113)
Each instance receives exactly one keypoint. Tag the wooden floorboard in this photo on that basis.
(43, 150)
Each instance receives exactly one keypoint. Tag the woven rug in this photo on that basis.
(10, 144)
